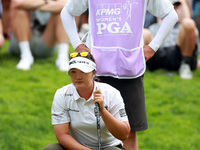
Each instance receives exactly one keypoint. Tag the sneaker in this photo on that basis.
(185, 71)
(25, 63)
(62, 63)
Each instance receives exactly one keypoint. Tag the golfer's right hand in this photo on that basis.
(99, 98)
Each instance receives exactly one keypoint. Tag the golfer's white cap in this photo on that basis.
(82, 63)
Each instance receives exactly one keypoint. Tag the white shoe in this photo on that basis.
(62, 63)
(25, 63)
(185, 71)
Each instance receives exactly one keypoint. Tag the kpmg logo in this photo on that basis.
(108, 11)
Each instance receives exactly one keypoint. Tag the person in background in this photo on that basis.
(83, 24)
(149, 19)
(6, 21)
(73, 110)
(116, 41)
(196, 13)
(179, 51)
(36, 29)
(1, 27)
(189, 5)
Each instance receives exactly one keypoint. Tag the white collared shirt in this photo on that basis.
(68, 106)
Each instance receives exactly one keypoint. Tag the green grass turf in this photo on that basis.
(172, 106)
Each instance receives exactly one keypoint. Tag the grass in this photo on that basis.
(173, 112)
(172, 106)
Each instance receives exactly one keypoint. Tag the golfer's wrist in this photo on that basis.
(102, 111)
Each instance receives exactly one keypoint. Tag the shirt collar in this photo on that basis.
(77, 96)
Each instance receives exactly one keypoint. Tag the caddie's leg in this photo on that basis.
(131, 143)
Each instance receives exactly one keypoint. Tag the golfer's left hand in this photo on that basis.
(148, 52)
(99, 98)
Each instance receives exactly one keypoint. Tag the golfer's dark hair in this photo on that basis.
(91, 57)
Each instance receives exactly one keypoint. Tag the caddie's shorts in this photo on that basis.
(170, 58)
(38, 47)
(132, 91)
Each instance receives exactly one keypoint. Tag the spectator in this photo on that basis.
(1, 28)
(46, 31)
(116, 41)
(6, 18)
(189, 5)
(83, 24)
(196, 12)
(149, 19)
(179, 50)
(73, 114)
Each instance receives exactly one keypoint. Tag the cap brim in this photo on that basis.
(83, 68)
(83, 64)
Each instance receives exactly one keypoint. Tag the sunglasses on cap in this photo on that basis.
(81, 54)
(75, 54)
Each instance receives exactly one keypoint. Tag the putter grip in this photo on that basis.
(97, 106)
(98, 115)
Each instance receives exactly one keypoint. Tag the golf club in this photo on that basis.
(97, 114)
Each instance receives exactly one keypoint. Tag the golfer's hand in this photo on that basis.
(148, 52)
(82, 47)
(99, 98)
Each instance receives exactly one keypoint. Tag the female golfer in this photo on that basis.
(73, 113)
